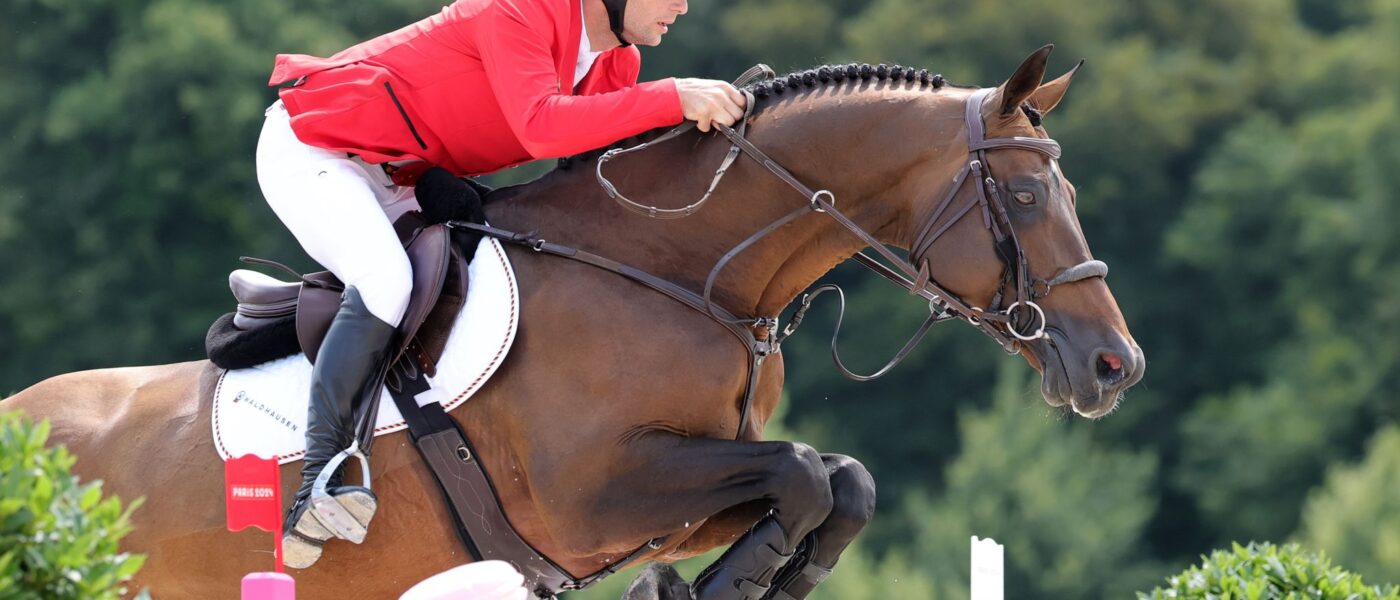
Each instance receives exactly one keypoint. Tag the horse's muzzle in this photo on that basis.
(1091, 383)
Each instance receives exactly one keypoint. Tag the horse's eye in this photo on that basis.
(1025, 198)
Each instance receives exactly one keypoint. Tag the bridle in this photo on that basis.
(1019, 322)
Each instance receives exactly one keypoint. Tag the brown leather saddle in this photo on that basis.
(439, 291)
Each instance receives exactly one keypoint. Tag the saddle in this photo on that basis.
(439, 292)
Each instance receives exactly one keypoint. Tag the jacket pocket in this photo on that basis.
(403, 113)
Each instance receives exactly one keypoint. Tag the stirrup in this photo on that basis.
(329, 511)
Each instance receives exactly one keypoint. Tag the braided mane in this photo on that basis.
(795, 84)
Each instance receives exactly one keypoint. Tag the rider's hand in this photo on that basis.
(707, 101)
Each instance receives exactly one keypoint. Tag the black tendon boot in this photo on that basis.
(746, 570)
(348, 368)
(801, 575)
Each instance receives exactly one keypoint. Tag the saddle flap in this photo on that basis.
(431, 339)
(429, 253)
(316, 308)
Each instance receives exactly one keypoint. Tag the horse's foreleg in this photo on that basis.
(853, 505)
(667, 483)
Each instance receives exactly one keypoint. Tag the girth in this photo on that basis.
(475, 505)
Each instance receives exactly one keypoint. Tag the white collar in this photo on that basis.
(586, 55)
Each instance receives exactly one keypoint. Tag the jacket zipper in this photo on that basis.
(404, 114)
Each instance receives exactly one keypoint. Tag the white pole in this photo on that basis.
(487, 580)
(987, 556)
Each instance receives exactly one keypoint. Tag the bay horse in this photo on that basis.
(613, 421)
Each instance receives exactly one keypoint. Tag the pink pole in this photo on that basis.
(269, 586)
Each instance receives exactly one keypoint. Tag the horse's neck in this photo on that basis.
(858, 166)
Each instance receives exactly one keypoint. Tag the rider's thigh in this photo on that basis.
(330, 206)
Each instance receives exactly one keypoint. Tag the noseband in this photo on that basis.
(1021, 321)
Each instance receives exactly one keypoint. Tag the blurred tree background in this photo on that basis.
(1237, 164)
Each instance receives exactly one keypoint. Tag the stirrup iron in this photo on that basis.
(328, 510)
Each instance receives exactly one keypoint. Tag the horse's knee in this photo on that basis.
(853, 497)
(802, 490)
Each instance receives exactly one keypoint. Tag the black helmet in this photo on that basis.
(616, 9)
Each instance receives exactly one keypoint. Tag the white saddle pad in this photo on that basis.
(262, 410)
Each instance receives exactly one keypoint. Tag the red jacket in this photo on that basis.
(480, 86)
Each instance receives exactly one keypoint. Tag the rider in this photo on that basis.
(480, 86)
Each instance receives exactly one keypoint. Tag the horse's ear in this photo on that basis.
(1025, 81)
(1048, 96)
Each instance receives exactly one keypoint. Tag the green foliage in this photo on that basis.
(1263, 571)
(58, 538)
(860, 575)
(1066, 509)
(1292, 218)
(127, 165)
(1355, 516)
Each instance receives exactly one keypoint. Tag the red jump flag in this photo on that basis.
(253, 493)
(253, 496)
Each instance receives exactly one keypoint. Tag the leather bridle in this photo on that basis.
(1011, 319)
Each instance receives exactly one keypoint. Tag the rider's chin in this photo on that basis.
(650, 36)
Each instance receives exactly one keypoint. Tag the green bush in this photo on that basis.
(58, 538)
(1264, 571)
(1355, 516)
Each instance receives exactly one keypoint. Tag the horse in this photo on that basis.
(613, 422)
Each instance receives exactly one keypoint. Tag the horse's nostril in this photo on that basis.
(1109, 368)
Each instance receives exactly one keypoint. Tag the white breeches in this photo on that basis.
(339, 209)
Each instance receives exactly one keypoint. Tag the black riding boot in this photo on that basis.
(747, 568)
(348, 369)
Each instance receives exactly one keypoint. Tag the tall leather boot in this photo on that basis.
(349, 369)
(747, 568)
